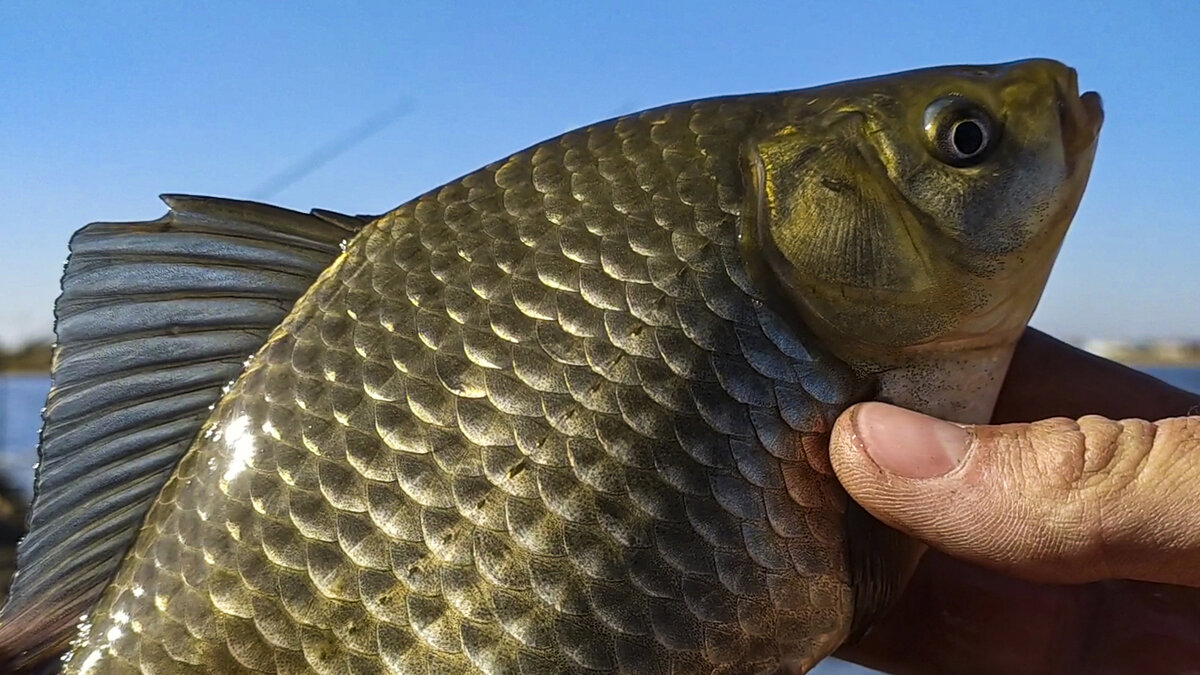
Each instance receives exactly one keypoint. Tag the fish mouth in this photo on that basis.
(1080, 117)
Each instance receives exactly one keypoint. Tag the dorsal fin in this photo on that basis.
(154, 319)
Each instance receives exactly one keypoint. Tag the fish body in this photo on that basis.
(569, 413)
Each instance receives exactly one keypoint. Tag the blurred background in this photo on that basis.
(358, 106)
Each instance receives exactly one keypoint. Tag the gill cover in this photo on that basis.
(819, 208)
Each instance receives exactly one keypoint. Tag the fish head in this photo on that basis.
(922, 210)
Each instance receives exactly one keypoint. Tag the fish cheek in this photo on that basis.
(825, 226)
(992, 212)
(832, 217)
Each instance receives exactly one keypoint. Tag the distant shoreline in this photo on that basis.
(1155, 355)
(29, 359)
(1161, 363)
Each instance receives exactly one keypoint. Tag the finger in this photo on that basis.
(1055, 500)
(1050, 378)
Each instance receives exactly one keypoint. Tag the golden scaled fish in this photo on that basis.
(567, 413)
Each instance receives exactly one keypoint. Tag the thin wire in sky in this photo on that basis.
(331, 150)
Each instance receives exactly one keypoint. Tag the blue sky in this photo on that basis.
(102, 109)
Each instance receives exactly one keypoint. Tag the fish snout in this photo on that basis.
(1079, 116)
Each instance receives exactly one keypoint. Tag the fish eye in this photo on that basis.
(960, 132)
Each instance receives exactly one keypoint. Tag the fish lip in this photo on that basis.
(1080, 116)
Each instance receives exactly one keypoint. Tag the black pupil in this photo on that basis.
(968, 137)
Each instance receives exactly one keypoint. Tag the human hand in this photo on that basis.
(1028, 513)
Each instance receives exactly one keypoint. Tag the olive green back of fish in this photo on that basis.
(537, 420)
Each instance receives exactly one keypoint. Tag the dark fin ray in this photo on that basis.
(341, 219)
(154, 319)
(881, 562)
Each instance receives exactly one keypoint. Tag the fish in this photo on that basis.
(567, 413)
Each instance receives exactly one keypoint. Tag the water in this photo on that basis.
(21, 401)
(22, 397)
(1184, 378)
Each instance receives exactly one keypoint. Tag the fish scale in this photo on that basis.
(555, 464)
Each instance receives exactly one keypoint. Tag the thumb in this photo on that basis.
(1056, 500)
